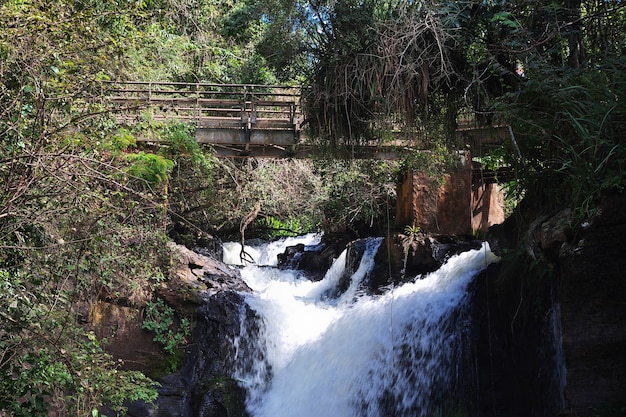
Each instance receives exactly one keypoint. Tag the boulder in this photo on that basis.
(204, 274)
(314, 260)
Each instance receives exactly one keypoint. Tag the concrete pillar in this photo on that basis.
(487, 206)
(437, 205)
(451, 205)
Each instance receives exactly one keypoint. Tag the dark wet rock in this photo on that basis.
(564, 276)
(355, 251)
(204, 386)
(504, 237)
(398, 259)
(401, 259)
(444, 247)
(290, 258)
(219, 397)
(516, 351)
(591, 293)
(313, 260)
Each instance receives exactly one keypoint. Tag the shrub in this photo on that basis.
(150, 167)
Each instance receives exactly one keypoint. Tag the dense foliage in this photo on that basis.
(554, 72)
(566, 108)
(79, 216)
(290, 197)
(84, 211)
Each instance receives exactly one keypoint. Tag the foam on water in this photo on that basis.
(267, 252)
(357, 355)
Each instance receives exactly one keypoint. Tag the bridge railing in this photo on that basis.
(223, 106)
(244, 116)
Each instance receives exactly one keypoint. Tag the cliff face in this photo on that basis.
(516, 346)
(592, 294)
(566, 278)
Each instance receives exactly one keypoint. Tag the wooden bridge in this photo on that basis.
(249, 120)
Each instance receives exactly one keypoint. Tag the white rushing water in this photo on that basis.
(356, 354)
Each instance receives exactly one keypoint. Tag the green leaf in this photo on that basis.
(504, 18)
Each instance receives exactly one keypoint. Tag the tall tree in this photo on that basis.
(552, 71)
(564, 109)
(371, 66)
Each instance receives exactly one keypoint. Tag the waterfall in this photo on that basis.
(266, 253)
(320, 354)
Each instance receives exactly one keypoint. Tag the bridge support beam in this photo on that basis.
(231, 142)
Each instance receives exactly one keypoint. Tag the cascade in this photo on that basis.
(323, 354)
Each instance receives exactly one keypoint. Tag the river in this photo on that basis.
(323, 354)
